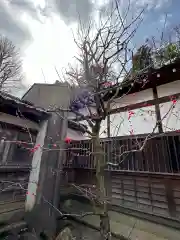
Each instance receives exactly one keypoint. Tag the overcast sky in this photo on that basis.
(42, 29)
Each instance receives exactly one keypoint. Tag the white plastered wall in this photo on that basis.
(142, 121)
(171, 121)
(130, 99)
(170, 116)
(168, 89)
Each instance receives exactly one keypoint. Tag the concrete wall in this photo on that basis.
(48, 95)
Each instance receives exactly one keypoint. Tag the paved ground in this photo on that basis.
(134, 228)
(11, 210)
(85, 233)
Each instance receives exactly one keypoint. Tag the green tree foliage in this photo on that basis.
(170, 52)
(142, 58)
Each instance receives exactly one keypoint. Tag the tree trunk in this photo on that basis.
(101, 183)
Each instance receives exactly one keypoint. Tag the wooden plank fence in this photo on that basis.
(146, 181)
(15, 167)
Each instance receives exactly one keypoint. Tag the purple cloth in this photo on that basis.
(84, 99)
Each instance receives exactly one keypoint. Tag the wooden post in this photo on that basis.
(42, 217)
(157, 109)
(36, 167)
(61, 157)
(108, 123)
(108, 127)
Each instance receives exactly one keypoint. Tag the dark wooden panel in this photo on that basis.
(13, 185)
(160, 155)
(157, 194)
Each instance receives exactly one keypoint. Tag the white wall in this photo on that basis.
(79, 136)
(83, 111)
(168, 89)
(71, 115)
(143, 121)
(171, 121)
(103, 130)
(138, 97)
(75, 135)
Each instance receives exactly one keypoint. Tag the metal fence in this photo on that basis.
(161, 154)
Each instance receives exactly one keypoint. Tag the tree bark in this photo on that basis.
(101, 183)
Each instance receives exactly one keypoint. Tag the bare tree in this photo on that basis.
(10, 64)
(104, 55)
(100, 54)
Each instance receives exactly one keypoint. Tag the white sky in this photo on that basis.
(52, 45)
(52, 42)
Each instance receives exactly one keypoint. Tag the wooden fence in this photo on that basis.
(160, 154)
(15, 166)
(146, 181)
